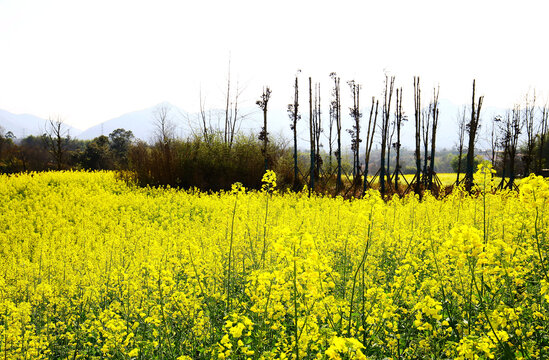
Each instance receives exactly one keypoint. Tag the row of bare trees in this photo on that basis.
(524, 119)
(504, 142)
(390, 126)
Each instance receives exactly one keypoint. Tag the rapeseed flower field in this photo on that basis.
(95, 268)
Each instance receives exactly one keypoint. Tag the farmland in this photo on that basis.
(93, 267)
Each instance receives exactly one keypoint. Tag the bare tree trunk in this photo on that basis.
(515, 131)
(433, 136)
(505, 142)
(204, 120)
(355, 130)
(472, 130)
(529, 111)
(370, 140)
(294, 115)
(543, 135)
(504, 166)
(312, 139)
(330, 136)
(227, 107)
(426, 120)
(494, 142)
(417, 116)
(385, 128)
(233, 119)
(399, 118)
(263, 135)
(318, 130)
(392, 128)
(336, 105)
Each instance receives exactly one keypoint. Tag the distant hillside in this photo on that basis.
(24, 125)
(140, 122)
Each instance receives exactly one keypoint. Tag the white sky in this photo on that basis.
(90, 61)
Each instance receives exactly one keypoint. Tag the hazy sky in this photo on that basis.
(89, 61)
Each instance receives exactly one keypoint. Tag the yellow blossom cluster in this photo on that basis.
(95, 268)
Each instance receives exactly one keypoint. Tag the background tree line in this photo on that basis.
(216, 156)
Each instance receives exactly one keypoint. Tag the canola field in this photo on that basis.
(94, 268)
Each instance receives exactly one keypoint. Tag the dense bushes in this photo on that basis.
(212, 165)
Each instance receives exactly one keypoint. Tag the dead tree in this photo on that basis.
(227, 107)
(516, 129)
(204, 122)
(417, 118)
(294, 116)
(399, 118)
(312, 139)
(512, 128)
(434, 113)
(164, 134)
(494, 141)
(56, 139)
(505, 130)
(355, 130)
(317, 130)
(164, 128)
(231, 111)
(472, 128)
(543, 128)
(462, 125)
(233, 120)
(392, 128)
(529, 114)
(425, 129)
(264, 135)
(372, 120)
(336, 108)
(386, 116)
(332, 120)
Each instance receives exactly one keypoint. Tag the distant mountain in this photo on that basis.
(24, 125)
(141, 123)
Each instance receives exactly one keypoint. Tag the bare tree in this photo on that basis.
(494, 140)
(311, 139)
(425, 129)
(543, 129)
(228, 107)
(232, 118)
(511, 130)
(434, 112)
(392, 129)
(417, 117)
(56, 139)
(528, 120)
(462, 125)
(263, 135)
(164, 132)
(331, 122)
(317, 129)
(386, 116)
(472, 128)
(355, 130)
(372, 120)
(399, 118)
(294, 116)
(336, 109)
(164, 135)
(204, 121)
